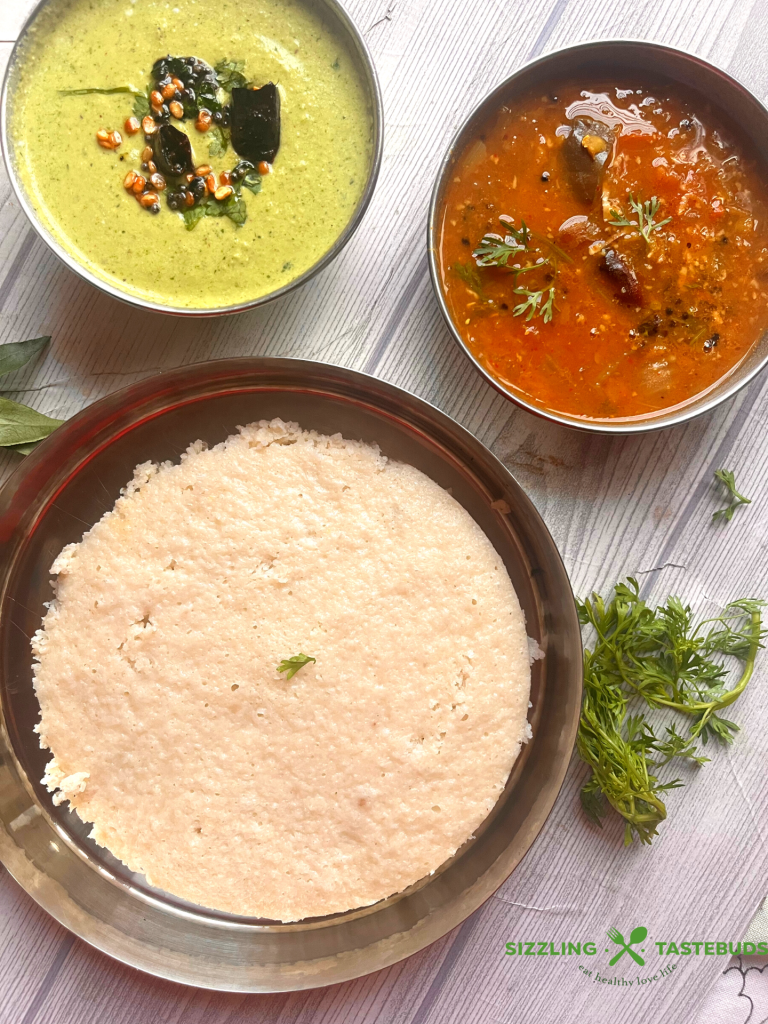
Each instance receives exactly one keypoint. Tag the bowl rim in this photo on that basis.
(664, 419)
(94, 429)
(370, 83)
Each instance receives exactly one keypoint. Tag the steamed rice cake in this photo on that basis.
(219, 778)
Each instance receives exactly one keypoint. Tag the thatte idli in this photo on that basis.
(221, 779)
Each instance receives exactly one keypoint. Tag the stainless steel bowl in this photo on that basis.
(601, 59)
(334, 13)
(67, 484)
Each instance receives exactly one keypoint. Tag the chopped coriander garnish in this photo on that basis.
(646, 214)
(497, 250)
(230, 74)
(726, 477)
(292, 665)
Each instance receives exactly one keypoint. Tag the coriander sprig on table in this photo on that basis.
(726, 477)
(659, 657)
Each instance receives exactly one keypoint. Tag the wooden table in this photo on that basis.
(639, 505)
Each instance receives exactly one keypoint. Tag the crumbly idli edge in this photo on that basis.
(68, 787)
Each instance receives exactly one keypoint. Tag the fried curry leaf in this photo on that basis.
(469, 276)
(235, 209)
(657, 656)
(726, 477)
(292, 665)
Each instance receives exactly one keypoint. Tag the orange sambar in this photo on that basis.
(603, 250)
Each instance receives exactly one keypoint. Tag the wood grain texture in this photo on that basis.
(614, 506)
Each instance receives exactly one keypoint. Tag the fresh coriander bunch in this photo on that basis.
(655, 656)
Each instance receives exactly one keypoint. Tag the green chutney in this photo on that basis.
(76, 187)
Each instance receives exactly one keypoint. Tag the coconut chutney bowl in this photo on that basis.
(66, 485)
(599, 330)
(284, 162)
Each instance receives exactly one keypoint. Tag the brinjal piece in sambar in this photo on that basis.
(586, 153)
(256, 123)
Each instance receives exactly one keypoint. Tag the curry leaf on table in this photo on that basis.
(21, 425)
(17, 353)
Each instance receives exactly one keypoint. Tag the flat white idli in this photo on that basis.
(223, 781)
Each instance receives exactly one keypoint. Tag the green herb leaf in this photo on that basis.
(657, 656)
(336, 66)
(495, 250)
(645, 213)
(22, 449)
(141, 106)
(252, 181)
(103, 92)
(469, 275)
(230, 74)
(194, 214)
(17, 353)
(218, 141)
(20, 425)
(725, 476)
(593, 803)
(292, 665)
(234, 207)
(533, 303)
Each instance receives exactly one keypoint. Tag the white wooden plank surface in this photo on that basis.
(638, 505)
